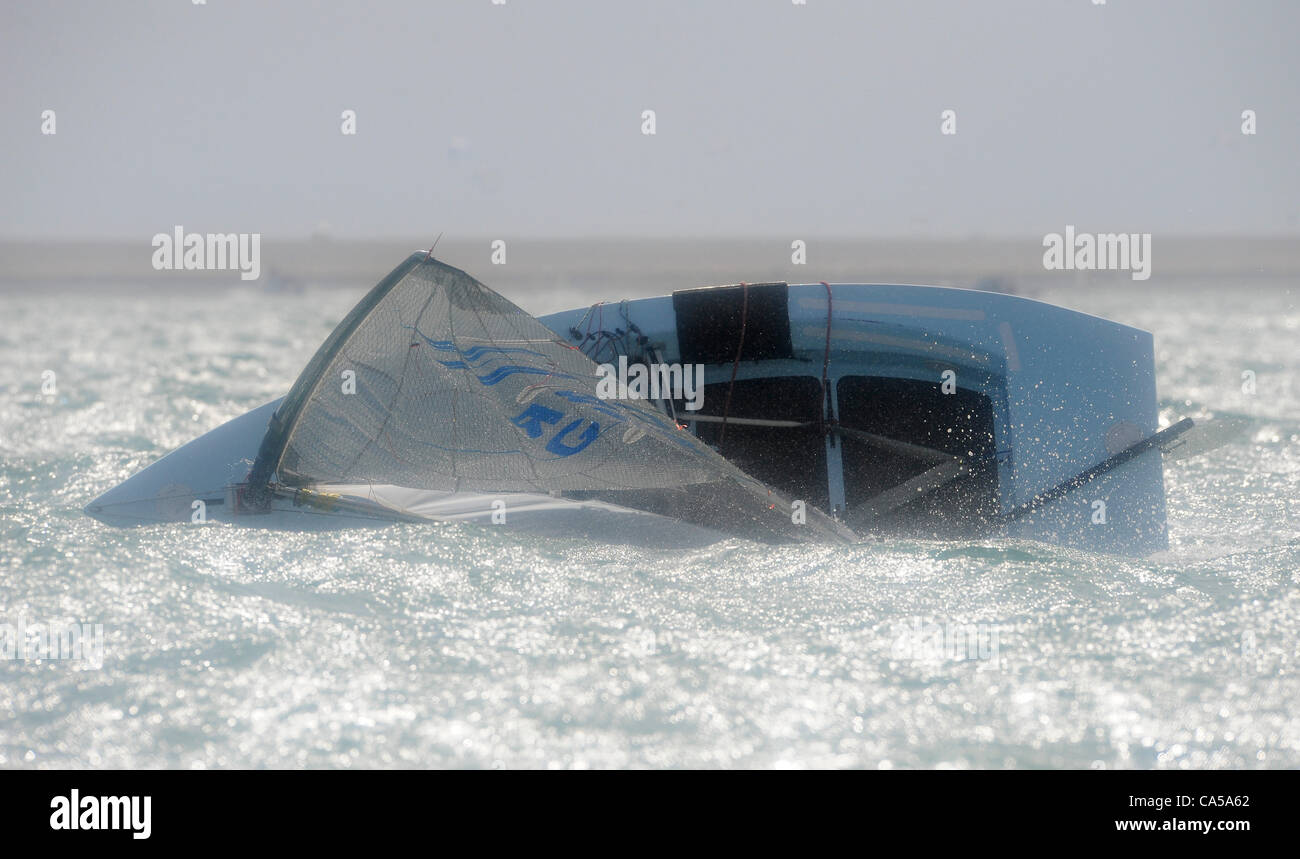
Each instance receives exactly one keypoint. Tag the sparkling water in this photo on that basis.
(460, 646)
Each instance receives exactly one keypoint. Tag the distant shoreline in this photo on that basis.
(673, 262)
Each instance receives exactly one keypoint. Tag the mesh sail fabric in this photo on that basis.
(436, 382)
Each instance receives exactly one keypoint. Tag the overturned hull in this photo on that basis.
(992, 402)
(826, 412)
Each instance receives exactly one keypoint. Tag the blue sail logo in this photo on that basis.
(530, 420)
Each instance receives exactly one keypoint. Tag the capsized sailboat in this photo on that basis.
(828, 411)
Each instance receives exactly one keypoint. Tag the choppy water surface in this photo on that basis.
(457, 646)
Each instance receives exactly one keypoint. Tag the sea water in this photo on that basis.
(461, 646)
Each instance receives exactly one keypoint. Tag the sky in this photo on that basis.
(525, 118)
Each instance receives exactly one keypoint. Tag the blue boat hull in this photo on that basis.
(1033, 393)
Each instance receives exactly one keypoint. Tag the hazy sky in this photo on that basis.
(524, 119)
